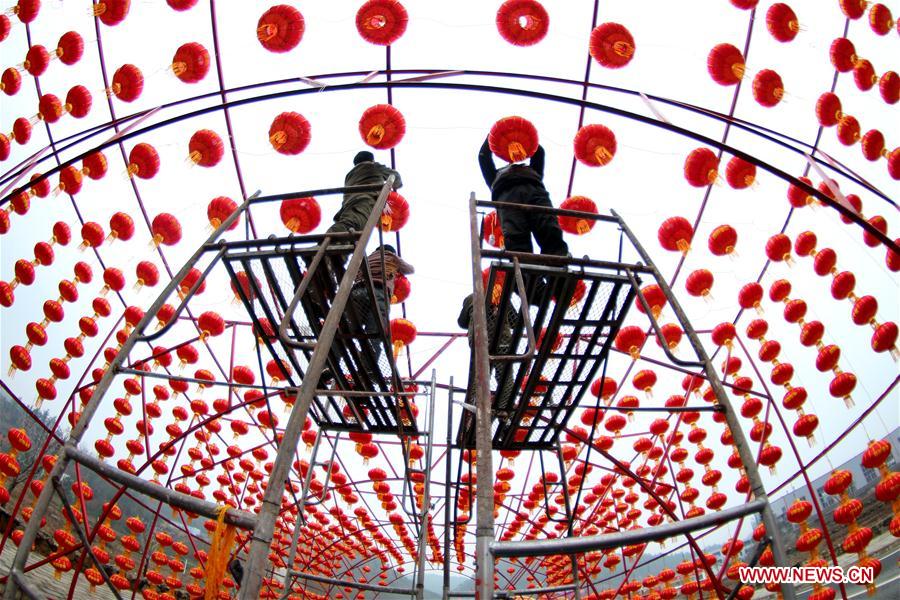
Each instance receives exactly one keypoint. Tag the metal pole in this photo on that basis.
(352, 584)
(484, 512)
(447, 473)
(426, 496)
(737, 433)
(75, 435)
(264, 530)
(629, 537)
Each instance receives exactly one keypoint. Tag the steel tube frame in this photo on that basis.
(264, 530)
(537, 591)
(426, 496)
(90, 409)
(447, 507)
(630, 537)
(352, 584)
(740, 441)
(484, 493)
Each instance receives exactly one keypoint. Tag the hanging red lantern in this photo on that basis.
(210, 324)
(112, 12)
(522, 22)
(879, 223)
(36, 60)
(629, 340)
(722, 240)
(644, 380)
(778, 248)
(880, 19)
(190, 62)
(872, 144)
(577, 225)
(842, 386)
(205, 148)
(92, 235)
(864, 310)
(289, 133)
(166, 229)
(675, 234)
(402, 288)
(671, 335)
(768, 88)
(381, 22)
(50, 108)
(723, 334)
(725, 64)
(147, 274)
(885, 338)
(701, 167)
(121, 227)
(888, 87)
(492, 233)
(219, 209)
(828, 110)
(403, 333)
(864, 75)
(10, 81)
(843, 54)
(848, 130)
(395, 213)
(655, 298)
(382, 126)
(143, 161)
(78, 102)
(21, 132)
(782, 23)
(300, 215)
(612, 45)
(739, 173)
(699, 282)
(127, 83)
(70, 48)
(280, 28)
(513, 139)
(26, 10)
(604, 387)
(595, 145)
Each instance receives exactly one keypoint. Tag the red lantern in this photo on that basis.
(595, 145)
(885, 337)
(210, 324)
(10, 81)
(147, 274)
(50, 109)
(205, 148)
(280, 28)
(768, 88)
(165, 229)
(381, 22)
(94, 165)
(889, 87)
(644, 380)
(300, 215)
(491, 230)
(739, 173)
(864, 75)
(604, 387)
(655, 298)
(190, 62)
(289, 133)
(127, 83)
(513, 139)
(778, 248)
(577, 225)
(725, 64)
(70, 48)
(612, 45)
(722, 240)
(872, 144)
(402, 288)
(112, 12)
(675, 234)
(629, 340)
(828, 110)
(36, 60)
(699, 282)
(403, 333)
(395, 213)
(219, 209)
(701, 167)
(782, 23)
(522, 22)
(843, 54)
(143, 161)
(78, 102)
(880, 19)
(848, 130)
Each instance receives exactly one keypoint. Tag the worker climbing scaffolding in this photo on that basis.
(356, 207)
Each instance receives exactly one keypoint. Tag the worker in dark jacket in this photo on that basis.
(357, 207)
(502, 400)
(523, 184)
(383, 276)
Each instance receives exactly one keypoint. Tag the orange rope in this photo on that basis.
(219, 551)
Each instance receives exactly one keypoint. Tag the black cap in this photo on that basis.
(388, 248)
(364, 156)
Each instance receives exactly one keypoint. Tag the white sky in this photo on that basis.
(438, 161)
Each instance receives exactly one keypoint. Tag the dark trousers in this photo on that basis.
(354, 213)
(368, 314)
(520, 224)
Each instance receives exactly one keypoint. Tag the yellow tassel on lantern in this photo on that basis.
(398, 345)
(219, 551)
(375, 135)
(516, 152)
